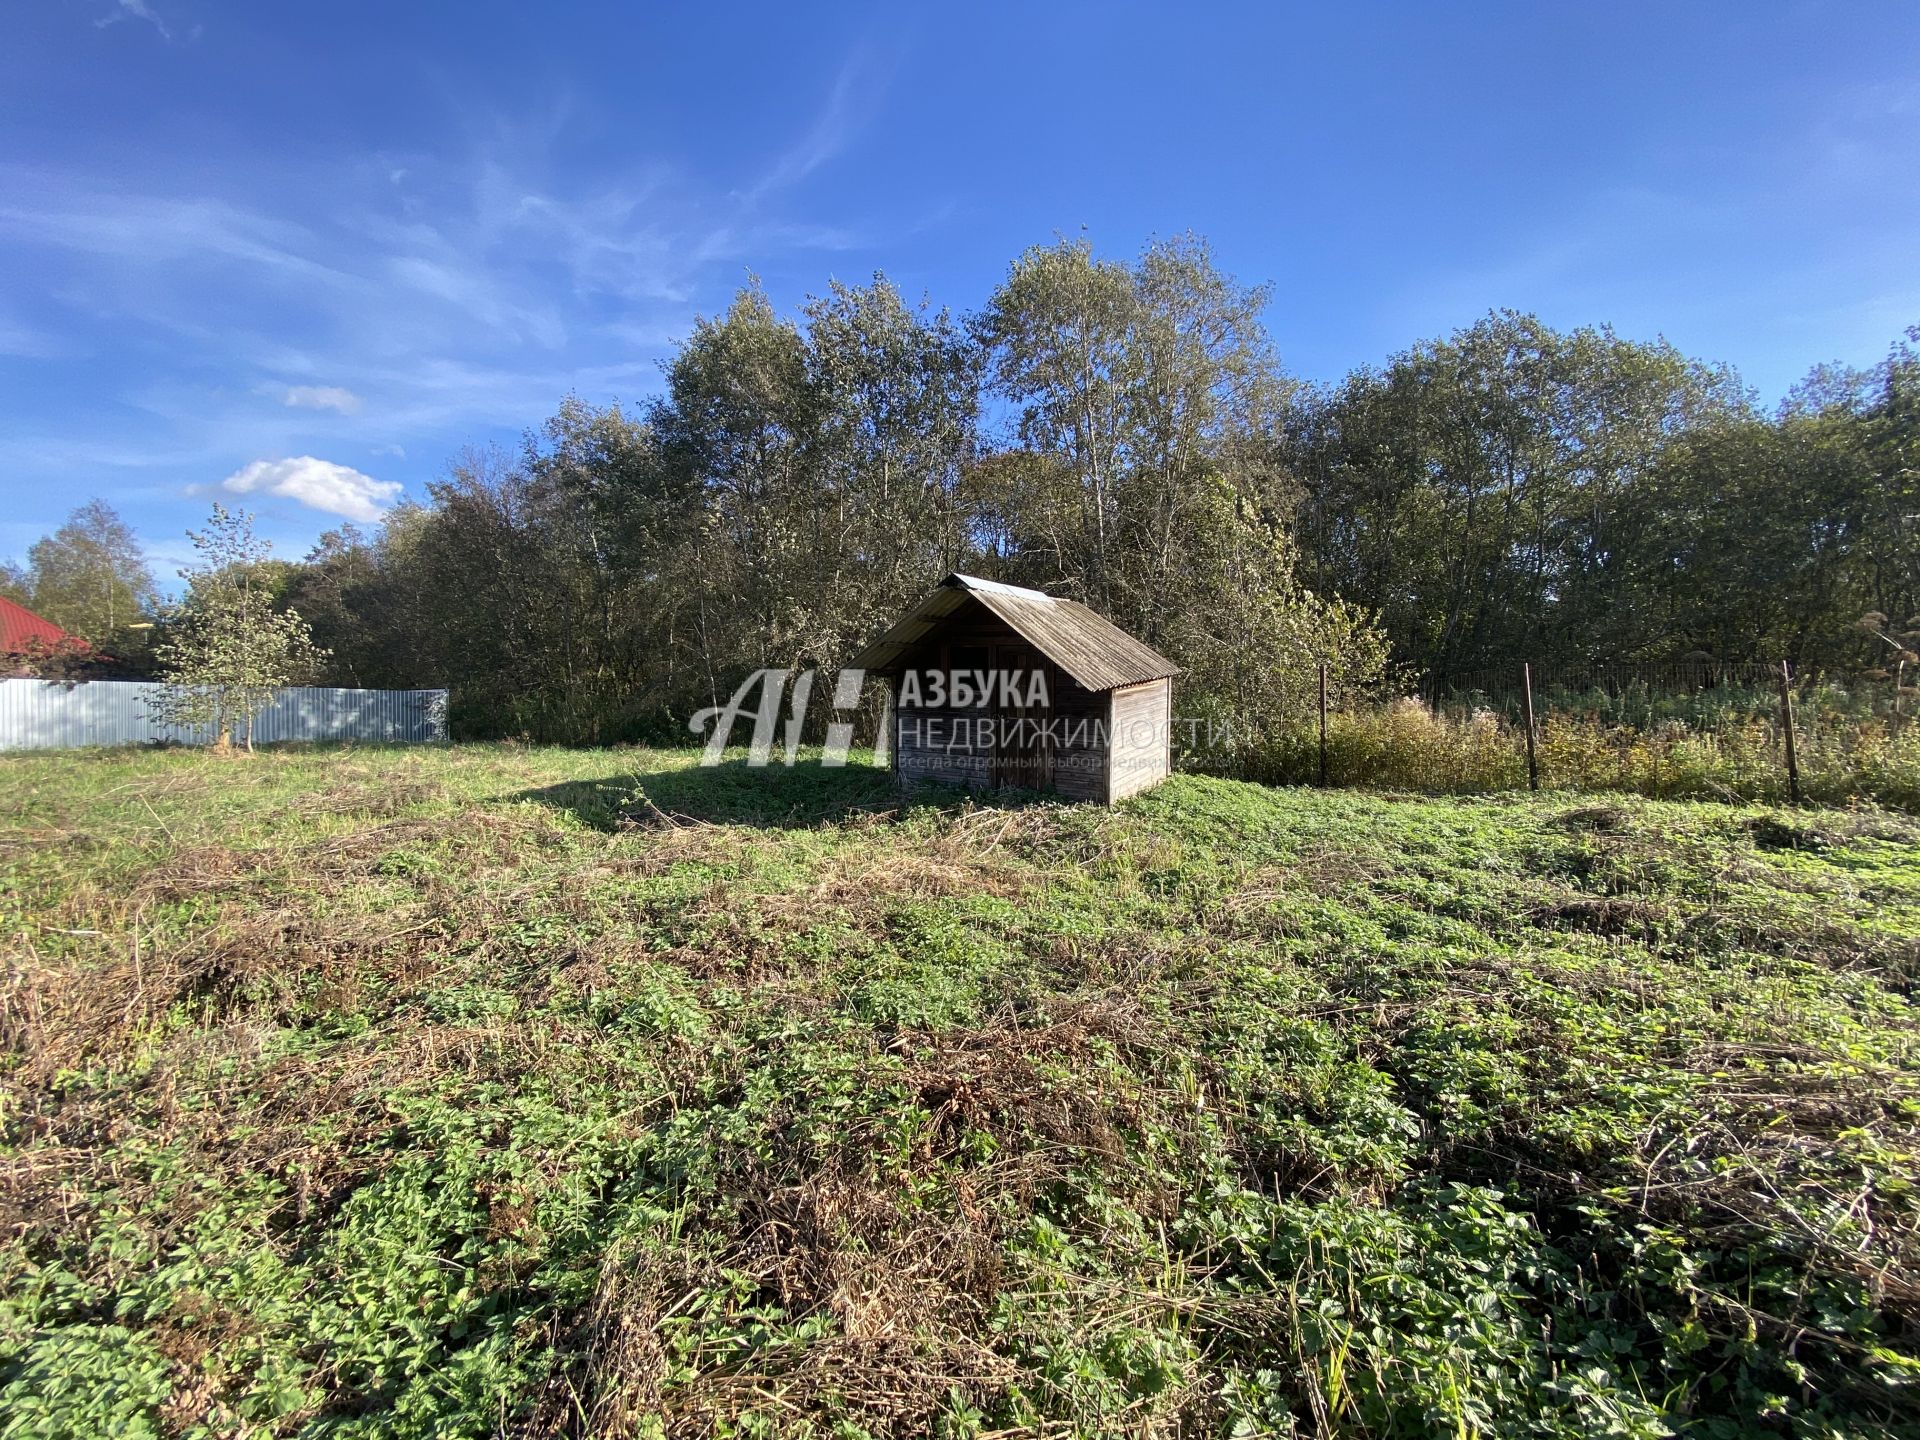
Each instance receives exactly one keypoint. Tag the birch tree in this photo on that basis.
(227, 650)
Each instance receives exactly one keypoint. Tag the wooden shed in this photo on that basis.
(996, 686)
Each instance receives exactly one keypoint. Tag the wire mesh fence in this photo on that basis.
(1688, 730)
(1703, 693)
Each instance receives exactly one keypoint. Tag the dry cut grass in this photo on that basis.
(585, 1093)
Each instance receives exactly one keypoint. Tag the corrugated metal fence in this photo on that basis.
(54, 715)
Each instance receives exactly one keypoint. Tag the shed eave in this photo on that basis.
(1097, 654)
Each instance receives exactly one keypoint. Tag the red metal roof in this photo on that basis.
(20, 627)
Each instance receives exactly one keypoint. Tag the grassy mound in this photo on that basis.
(508, 1091)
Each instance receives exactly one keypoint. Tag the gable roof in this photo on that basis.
(1094, 651)
(20, 628)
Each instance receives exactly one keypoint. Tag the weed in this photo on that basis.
(1727, 754)
(500, 1090)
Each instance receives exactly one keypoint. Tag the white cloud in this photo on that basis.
(138, 10)
(27, 344)
(851, 100)
(467, 294)
(323, 397)
(336, 489)
(154, 231)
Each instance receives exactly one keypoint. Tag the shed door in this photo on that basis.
(1021, 754)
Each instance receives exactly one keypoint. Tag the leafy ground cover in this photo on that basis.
(534, 1092)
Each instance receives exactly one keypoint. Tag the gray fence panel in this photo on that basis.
(55, 715)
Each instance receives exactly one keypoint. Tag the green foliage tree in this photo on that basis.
(227, 650)
(736, 432)
(1891, 534)
(898, 390)
(1149, 478)
(16, 584)
(326, 589)
(89, 577)
(1061, 334)
(1252, 639)
(1480, 491)
(1768, 537)
(1121, 431)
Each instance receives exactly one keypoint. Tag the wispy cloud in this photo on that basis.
(26, 343)
(1650, 260)
(320, 484)
(506, 263)
(134, 10)
(322, 397)
(153, 230)
(401, 302)
(853, 99)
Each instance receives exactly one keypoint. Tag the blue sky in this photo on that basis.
(298, 256)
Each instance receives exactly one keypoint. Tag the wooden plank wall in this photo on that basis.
(1142, 736)
(925, 738)
(1080, 769)
(1107, 745)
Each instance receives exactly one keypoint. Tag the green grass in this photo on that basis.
(497, 1090)
(1728, 754)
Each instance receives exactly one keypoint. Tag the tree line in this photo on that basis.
(1124, 433)
(1516, 493)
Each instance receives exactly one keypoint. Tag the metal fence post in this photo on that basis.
(1786, 721)
(1526, 687)
(1323, 724)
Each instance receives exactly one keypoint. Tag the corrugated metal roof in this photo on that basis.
(1097, 653)
(19, 627)
(995, 587)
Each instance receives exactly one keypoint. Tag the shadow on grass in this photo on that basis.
(786, 796)
(792, 797)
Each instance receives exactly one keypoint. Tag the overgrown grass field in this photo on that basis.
(1730, 753)
(502, 1091)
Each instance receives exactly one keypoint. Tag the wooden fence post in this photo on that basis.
(1323, 724)
(1526, 687)
(1786, 721)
